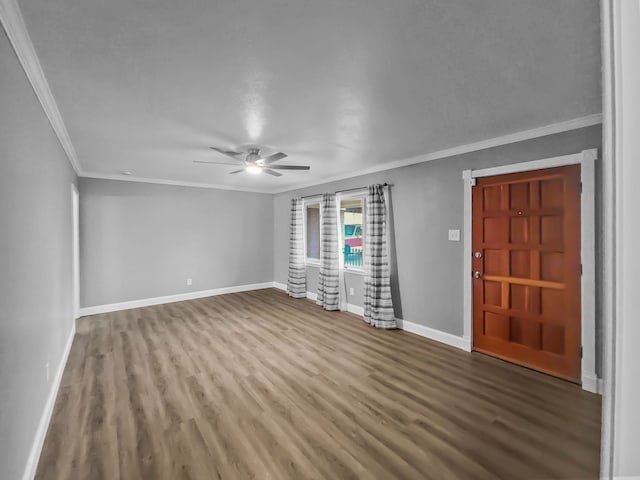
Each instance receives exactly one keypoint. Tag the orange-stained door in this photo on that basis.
(527, 271)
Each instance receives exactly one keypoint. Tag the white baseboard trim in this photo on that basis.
(147, 302)
(355, 309)
(437, 335)
(433, 334)
(314, 296)
(43, 425)
(591, 383)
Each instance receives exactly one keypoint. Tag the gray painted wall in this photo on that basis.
(427, 200)
(35, 261)
(142, 240)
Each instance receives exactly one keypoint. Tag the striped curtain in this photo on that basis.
(329, 280)
(297, 280)
(378, 306)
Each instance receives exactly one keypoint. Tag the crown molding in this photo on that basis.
(550, 129)
(521, 136)
(175, 183)
(13, 23)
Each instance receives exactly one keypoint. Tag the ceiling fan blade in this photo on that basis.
(229, 153)
(274, 158)
(237, 171)
(271, 172)
(290, 167)
(215, 163)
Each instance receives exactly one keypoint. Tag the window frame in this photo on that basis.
(305, 203)
(358, 194)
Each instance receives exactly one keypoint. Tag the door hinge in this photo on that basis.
(580, 352)
(580, 187)
(581, 270)
(472, 181)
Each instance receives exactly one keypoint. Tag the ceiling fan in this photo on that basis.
(254, 163)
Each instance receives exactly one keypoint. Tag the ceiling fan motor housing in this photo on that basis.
(253, 156)
(253, 162)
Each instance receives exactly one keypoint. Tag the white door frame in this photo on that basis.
(75, 249)
(586, 159)
(621, 228)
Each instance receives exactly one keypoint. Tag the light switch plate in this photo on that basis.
(454, 235)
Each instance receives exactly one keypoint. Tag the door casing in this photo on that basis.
(586, 159)
(75, 249)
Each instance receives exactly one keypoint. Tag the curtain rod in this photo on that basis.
(347, 190)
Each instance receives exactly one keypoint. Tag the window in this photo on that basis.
(351, 241)
(351, 236)
(312, 232)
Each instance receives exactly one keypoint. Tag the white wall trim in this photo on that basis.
(467, 286)
(621, 419)
(550, 129)
(14, 25)
(437, 335)
(611, 185)
(552, 162)
(591, 383)
(147, 302)
(43, 425)
(521, 136)
(13, 22)
(75, 249)
(174, 183)
(545, 130)
(427, 332)
(588, 254)
(586, 159)
(463, 343)
(314, 296)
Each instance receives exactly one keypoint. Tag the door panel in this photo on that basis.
(526, 228)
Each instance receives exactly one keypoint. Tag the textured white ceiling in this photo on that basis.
(341, 85)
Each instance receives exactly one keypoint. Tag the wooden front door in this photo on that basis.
(527, 271)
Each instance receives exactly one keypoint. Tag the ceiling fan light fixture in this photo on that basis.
(254, 163)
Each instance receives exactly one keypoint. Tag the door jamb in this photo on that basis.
(586, 159)
(75, 247)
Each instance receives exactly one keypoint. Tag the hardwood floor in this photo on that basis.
(259, 385)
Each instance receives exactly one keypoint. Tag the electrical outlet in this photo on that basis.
(454, 235)
(46, 372)
(189, 281)
(352, 291)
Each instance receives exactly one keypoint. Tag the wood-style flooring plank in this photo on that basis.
(258, 385)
